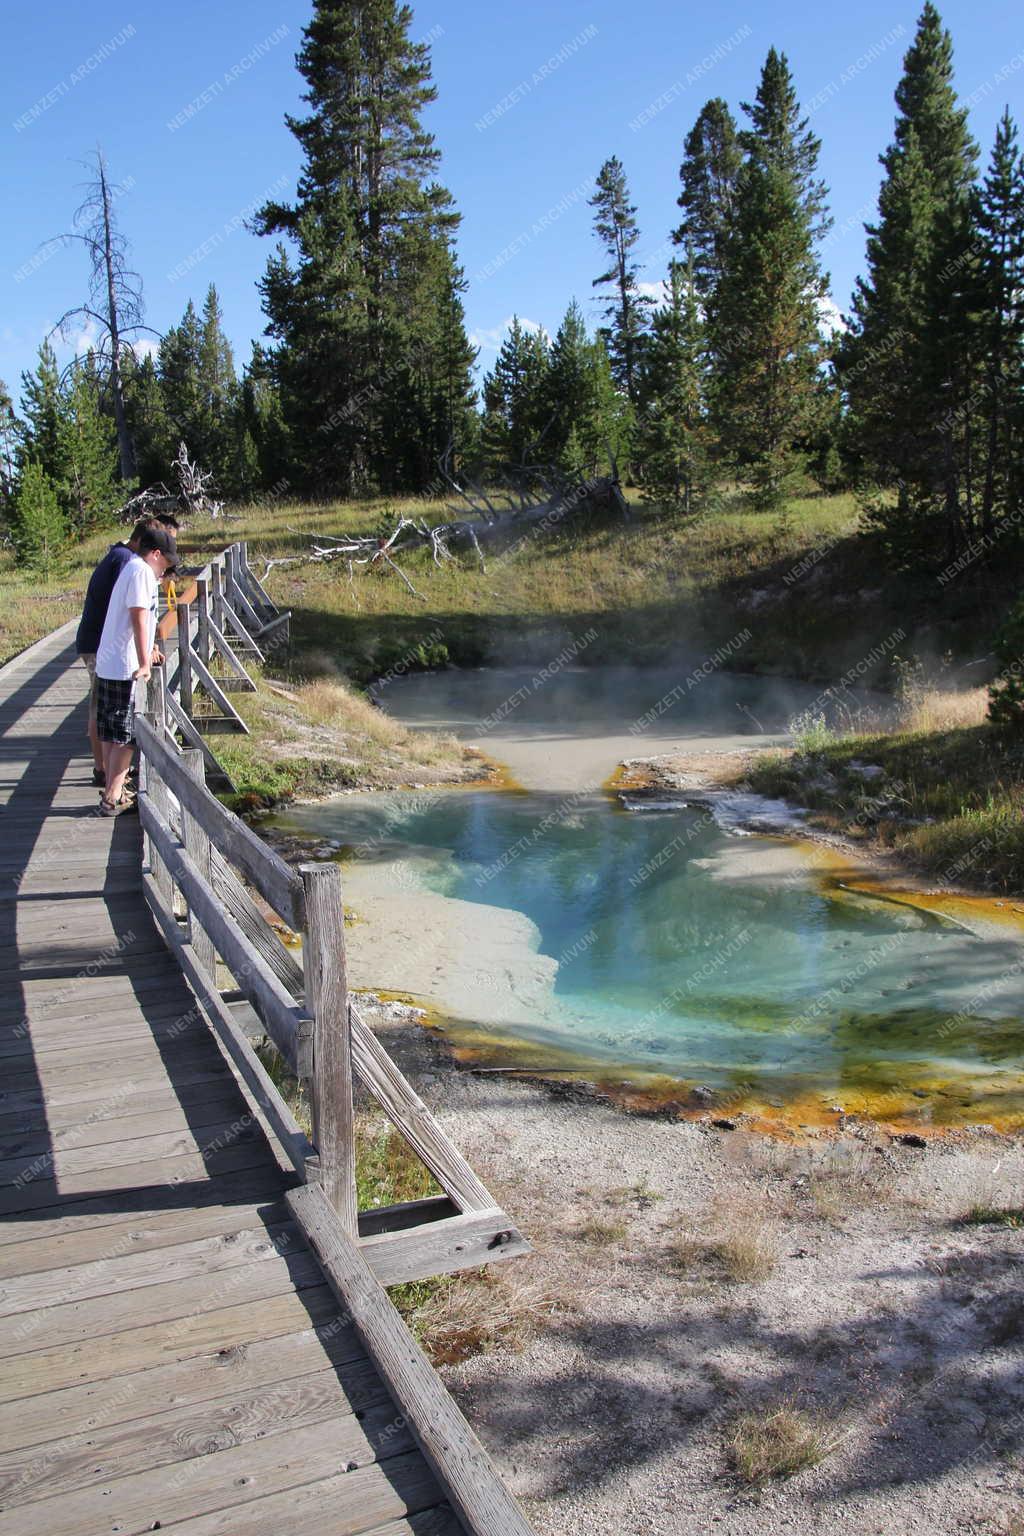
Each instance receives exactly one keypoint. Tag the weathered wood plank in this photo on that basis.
(103, 1452)
(294, 1142)
(346, 1504)
(270, 875)
(116, 1354)
(407, 1110)
(456, 1457)
(272, 1002)
(174, 1303)
(146, 1203)
(258, 1363)
(42, 1194)
(122, 1268)
(254, 925)
(222, 1480)
(442, 1247)
(327, 997)
(167, 1229)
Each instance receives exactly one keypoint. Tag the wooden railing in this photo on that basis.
(219, 894)
(217, 891)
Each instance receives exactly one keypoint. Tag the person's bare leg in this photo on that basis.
(94, 742)
(116, 762)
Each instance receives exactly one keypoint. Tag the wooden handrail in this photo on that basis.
(267, 871)
(200, 858)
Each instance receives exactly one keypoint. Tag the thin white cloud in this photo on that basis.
(830, 317)
(657, 291)
(490, 338)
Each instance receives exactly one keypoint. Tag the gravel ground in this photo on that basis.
(872, 1308)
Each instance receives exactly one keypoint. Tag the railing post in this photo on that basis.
(198, 848)
(217, 590)
(203, 618)
(184, 659)
(153, 785)
(327, 1001)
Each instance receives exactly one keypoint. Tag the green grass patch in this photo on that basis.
(995, 1216)
(950, 801)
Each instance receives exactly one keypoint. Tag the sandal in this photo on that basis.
(118, 807)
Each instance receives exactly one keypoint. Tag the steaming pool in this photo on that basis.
(546, 927)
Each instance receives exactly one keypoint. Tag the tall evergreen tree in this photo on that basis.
(40, 407)
(148, 421)
(711, 165)
(1000, 224)
(178, 366)
(902, 363)
(218, 395)
(763, 313)
(590, 420)
(40, 531)
(516, 400)
(11, 438)
(87, 456)
(354, 308)
(675, 437)
(626, 308)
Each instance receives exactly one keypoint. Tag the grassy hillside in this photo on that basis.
(813, 594)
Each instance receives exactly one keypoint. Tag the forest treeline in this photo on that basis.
(731, 376)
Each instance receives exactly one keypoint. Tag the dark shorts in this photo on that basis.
(115, 710)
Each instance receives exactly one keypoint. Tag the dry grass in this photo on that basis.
(597, 1229)
(779, 1441)
(467, 1314)
(740, 1243)
(846, 1179)
(936, 709)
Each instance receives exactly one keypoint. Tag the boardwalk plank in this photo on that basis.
(170, 1354)
(249, 1367)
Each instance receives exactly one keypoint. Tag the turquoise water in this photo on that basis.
(723, 963)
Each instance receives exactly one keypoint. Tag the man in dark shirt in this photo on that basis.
(94, 613)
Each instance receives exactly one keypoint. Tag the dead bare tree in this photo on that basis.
(489, 527)
(193, 497)
(115, 298)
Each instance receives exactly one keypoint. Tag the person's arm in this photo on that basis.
(140, 630)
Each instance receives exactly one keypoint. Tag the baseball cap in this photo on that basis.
(163, 540)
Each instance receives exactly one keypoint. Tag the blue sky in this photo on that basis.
(188, 102)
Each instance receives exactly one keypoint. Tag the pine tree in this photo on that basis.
(763, 315)
(179, 364)
(516, 400)
(590, 420)
(711, 164)
(675, 438)
(40, 407)
(261, 419)
(627, 308)
(87, 457)
(12, 435)
(215, 438)
(902, 363)
(148, 421)
(355, 314)
(1000, 222)
(40, 531)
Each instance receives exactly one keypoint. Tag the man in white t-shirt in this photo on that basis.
(124, 657)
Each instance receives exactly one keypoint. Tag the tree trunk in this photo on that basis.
(125, 446)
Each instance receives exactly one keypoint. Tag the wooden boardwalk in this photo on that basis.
(170, 1355)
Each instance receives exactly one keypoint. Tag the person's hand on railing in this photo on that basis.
(157, 656)
(142, 674)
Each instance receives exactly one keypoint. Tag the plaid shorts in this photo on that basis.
(115, 710)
